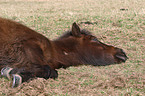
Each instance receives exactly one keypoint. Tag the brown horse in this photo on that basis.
(26, 54)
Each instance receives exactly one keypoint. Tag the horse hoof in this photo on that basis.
(5, 72)
(16, 80)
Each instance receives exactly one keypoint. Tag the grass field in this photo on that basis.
(117, 22)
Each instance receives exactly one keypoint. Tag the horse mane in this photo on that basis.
(69, 33)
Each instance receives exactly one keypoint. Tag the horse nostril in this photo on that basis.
(122, 51)
(121, 55)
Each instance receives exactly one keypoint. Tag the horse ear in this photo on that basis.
(76, 30)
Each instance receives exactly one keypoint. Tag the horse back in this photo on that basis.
(20, 44)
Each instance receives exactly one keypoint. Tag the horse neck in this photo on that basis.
(64, 55)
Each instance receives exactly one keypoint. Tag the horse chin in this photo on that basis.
(102, 62)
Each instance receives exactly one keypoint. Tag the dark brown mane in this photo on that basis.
(69, 33)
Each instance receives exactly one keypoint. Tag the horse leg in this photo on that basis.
(11, 73)
(21, 75)
(36, 65)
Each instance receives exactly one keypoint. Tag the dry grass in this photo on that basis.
(124, 28)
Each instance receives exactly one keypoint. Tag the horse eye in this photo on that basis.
(94, 39)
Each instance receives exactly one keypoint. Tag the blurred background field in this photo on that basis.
(119, 23)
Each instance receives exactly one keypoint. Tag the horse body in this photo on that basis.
(30, 54)
(24, 50)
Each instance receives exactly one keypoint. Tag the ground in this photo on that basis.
(119, 23)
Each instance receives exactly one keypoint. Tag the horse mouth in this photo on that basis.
(121, 57)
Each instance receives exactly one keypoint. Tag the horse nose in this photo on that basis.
(121, 55)
(124, 53)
